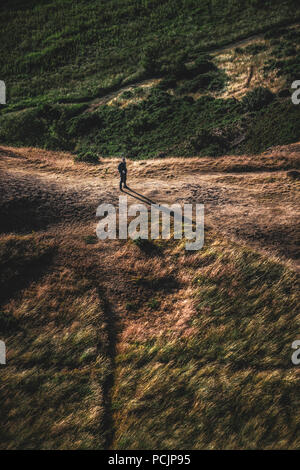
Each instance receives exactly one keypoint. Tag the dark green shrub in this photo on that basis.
(239, 50)
(7, 322)
(90, 239)
(49, 112)
(149, 61)
(208, 142)
(293, 174)
(284, 93)
(289, 67)
(154, 304)
(204, 64)
(211, 81)
(284, 50)
(274, 42)
(87, 157)
(25, 127)
(177, 70)
(139, 91)
(257, 99)
(277, 124)
(275, 33)
(167, 83)
(218, 81)
(292, 35)
(113, 86)
(131, 306)
(255, 48)
(141, 123)
(290, 50)
(83, 123)
(198, 83)
(147, 246)
(126, 95)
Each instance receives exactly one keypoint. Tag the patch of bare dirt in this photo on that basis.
(40, 189)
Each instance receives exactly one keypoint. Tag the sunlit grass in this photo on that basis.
(229, 383)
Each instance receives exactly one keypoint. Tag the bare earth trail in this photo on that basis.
(259, 208)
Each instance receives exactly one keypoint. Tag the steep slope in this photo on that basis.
(104, 78)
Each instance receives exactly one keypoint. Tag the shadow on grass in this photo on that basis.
(18, 271)
(148, 247)
(139, 196)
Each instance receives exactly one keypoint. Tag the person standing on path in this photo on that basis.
(123, 173)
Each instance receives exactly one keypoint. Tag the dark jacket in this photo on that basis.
(122, 168)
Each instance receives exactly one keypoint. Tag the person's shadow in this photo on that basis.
(139, 196)
(159, 206)
(180, 217)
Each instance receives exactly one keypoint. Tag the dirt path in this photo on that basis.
(110, 96)
(257, 208)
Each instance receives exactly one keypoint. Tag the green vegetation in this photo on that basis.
(87, 157)
(175, 125)
(86, 51)
(154, 304)
(257, 99)
(277, 124)
(71, 46)
(285, 53)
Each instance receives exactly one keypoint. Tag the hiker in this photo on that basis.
(123, 173)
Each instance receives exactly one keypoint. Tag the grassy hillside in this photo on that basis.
(70, 42)
(136, 77)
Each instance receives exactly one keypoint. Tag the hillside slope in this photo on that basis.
(180, 78)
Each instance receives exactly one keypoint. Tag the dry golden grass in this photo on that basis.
(248, 198)
(277, 158)
(115, 344)
(116, 97)
(245, 72)
(58, 361)
(205, 357)
(227, 384)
